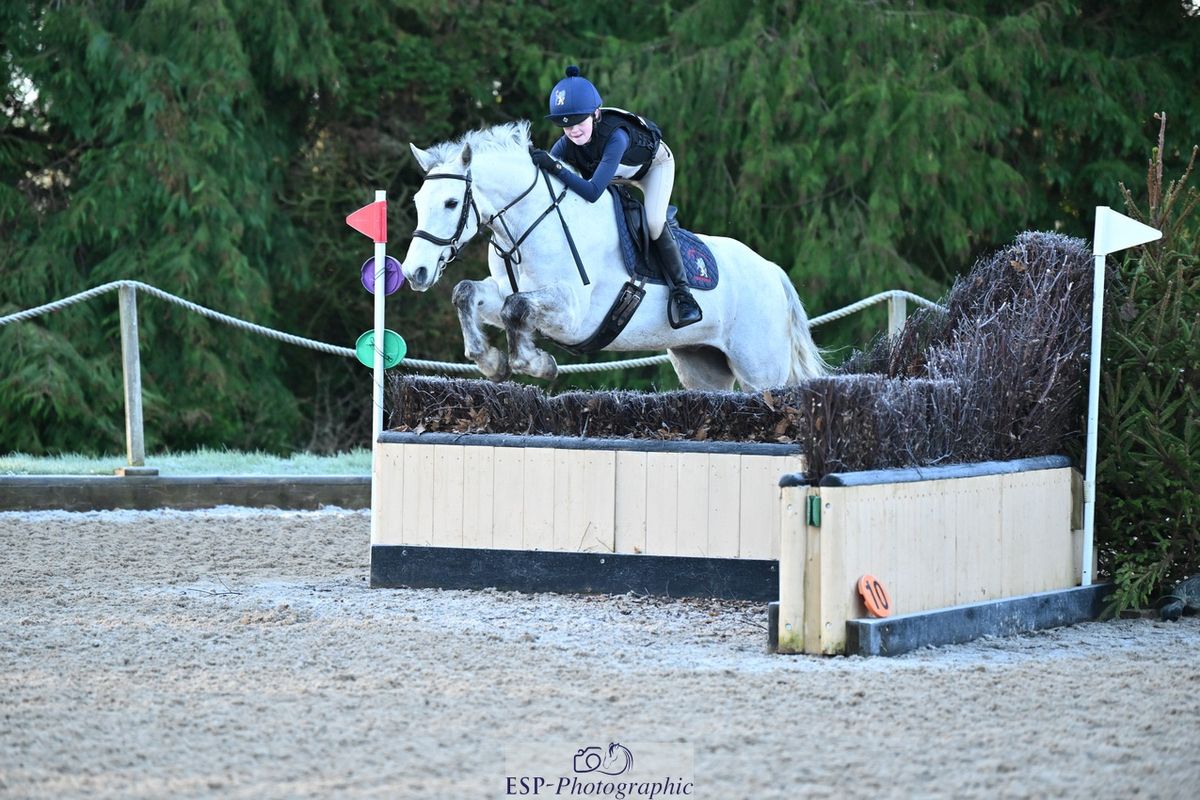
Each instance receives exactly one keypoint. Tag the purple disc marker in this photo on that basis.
(392, 278)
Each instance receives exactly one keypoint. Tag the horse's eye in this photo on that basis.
(451, 204)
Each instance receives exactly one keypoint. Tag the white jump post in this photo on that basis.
(380, 341)
(371, 220)
(1113, 232)
(380, 282)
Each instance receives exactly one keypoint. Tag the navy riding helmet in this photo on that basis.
(572, 99)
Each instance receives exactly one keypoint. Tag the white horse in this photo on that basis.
(754, 331)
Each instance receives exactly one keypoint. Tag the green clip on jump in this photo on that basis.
(394, 349)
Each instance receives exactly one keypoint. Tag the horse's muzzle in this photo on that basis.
(421, 279)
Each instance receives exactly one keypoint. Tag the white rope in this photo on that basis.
(59, 304)
(410, 363)
(190, 306)
(603, 366)
(869, 301)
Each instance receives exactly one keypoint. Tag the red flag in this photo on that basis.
(371, 221)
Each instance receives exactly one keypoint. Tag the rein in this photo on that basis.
(512, 255)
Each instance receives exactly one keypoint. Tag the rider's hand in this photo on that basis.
(545, 161)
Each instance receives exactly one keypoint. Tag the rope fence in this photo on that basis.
(896, 299)
(892, 296)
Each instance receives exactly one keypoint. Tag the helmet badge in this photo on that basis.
(560, 97)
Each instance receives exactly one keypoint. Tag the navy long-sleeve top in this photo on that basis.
(592, 188)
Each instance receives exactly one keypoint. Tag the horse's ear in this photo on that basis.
(424, 159)
(466, 155)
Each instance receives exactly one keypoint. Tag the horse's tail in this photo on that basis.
(807, 360)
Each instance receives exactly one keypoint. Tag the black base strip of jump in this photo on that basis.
(1008, 616)
(395, 566)
(101, 493)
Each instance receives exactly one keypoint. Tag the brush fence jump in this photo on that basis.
(562, 514)
(936, 538)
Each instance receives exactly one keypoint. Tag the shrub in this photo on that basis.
(1148, 485)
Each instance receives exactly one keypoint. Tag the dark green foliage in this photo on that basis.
(866, 146)
(162, 161)
(212, 149)
(1148, 497)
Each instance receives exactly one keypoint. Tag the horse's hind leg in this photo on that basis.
(523, 314)
(478, 301)
(756, 365)
(702, 367)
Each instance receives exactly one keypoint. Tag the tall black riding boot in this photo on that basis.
(682, 309)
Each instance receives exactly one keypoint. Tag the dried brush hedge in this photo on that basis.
(997, 375)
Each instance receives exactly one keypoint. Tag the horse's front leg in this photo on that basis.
(525, 313)
(479, 301)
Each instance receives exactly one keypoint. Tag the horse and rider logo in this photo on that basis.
(560, 97)
(616, 761)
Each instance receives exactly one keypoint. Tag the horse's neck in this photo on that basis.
(503, 179)
(545, 257)
(500, 179)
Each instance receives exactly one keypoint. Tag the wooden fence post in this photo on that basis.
(131, 367)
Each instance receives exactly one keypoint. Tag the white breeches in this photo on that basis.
(656, 187)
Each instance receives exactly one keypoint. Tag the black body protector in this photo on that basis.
(644, 138)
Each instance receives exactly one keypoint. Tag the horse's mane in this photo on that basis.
(508, 136)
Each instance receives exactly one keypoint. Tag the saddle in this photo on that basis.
(641, 262)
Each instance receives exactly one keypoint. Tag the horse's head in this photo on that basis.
(452, 205)
(447, 216)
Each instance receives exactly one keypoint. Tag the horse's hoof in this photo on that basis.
(544, 367)
(494, 365)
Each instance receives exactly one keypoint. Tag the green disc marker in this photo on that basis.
(394, 349)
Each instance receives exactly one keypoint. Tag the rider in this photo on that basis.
(609, 144)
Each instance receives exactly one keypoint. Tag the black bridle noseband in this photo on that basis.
(512, 255)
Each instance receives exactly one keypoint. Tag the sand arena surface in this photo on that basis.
(239, 654)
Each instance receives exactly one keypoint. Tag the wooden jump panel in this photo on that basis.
(552, 514)
(933, 543)
(696, 504)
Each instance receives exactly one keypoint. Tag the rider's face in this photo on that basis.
(580, 134)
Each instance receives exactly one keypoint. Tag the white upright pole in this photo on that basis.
(380, 283)
(1093, 418)
(1113, 232)
(377, 393)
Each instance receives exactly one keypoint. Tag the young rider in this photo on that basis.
(609, 144)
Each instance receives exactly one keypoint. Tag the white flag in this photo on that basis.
(1118, 232)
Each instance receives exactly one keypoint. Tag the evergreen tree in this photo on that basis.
(213, 150)
(1148, 471)
(154, 151)
(887, 145)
